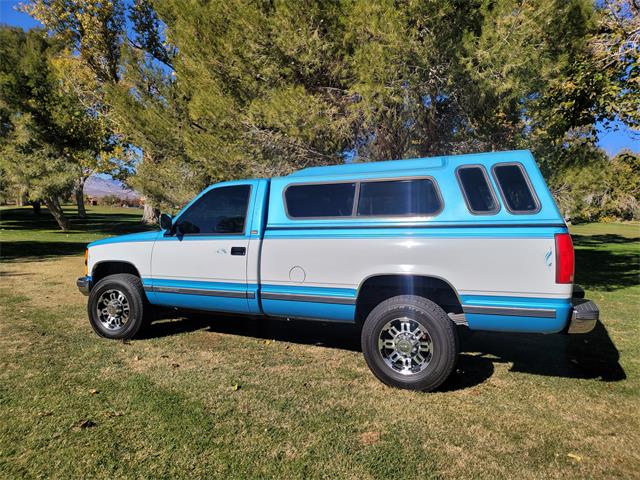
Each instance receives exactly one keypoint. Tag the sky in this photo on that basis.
(612, 140)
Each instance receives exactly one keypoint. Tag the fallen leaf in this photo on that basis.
(94, 391)
(136, 358)
(575, 457)
(235, 387)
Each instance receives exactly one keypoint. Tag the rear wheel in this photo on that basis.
(117, 306)
(410, 342)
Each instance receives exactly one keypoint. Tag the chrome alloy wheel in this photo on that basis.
(113, 309)
(405, 346)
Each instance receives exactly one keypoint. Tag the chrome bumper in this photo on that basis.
(84, 285)
(584, 317)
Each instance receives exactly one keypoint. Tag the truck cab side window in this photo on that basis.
(221, 210)
(476, 190)
(515, 188)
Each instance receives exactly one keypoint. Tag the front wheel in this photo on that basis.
(409, 342)
(117, 306)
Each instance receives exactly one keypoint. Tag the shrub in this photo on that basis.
(604, 190)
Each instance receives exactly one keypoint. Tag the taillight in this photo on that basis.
(565, 263)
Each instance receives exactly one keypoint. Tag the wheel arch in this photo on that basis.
(376, 288)
(105, 268)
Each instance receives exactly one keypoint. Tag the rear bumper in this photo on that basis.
(84, 285)
(584, 316)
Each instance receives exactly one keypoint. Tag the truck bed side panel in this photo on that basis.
(474, 261)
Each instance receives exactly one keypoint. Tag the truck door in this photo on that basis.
(202, 264)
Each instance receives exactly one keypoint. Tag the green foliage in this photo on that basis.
(147, 28)
(274, 86)
(35, 165)
(95, 28)
(150, 112)
(117, 201)
(36, 126)
(599, 188)
(616, 52)
(49, 138)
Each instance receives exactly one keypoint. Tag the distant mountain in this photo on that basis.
(99, 186)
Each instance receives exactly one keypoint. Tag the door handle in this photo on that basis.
(238, 251)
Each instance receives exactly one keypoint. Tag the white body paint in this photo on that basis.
(473, 266)
(137, 254)
(203, 259)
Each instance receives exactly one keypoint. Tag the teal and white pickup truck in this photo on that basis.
(407, 249)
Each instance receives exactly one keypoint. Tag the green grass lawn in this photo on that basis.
(233, 397)
(24, 234)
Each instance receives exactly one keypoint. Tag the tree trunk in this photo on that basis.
(79, 191)
(53, 204)
(150, 214)
(23, 198)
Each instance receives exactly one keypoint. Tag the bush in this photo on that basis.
(115, 201)
(604, 190)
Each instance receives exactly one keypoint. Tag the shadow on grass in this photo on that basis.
(39, 250)
(116, 223)
(603, 262)
(330, 335)
(586, 356)
(590, 356)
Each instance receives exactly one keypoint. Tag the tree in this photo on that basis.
(92, 141)
(96, 30)
(216, 90)
(38, 165)
(616, 49)
(93, 28)
(49, 137)
(599, 188)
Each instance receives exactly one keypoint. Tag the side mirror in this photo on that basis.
(166, 222)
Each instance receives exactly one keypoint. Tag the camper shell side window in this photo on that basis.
(384, 198)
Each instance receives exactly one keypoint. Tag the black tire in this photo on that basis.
(131, 288)
(433, 321)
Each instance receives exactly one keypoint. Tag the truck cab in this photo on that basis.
(406, 249)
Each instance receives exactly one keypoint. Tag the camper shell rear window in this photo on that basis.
(515, 188)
